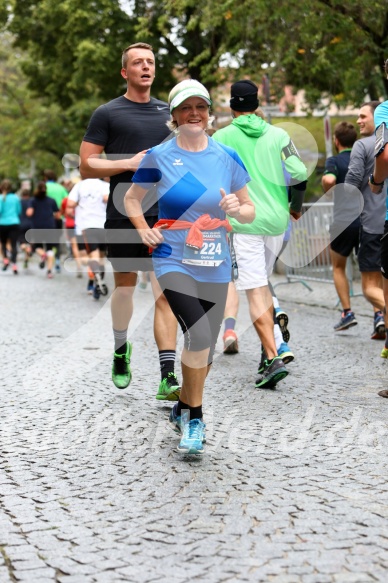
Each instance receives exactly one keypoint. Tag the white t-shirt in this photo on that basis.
(91, 209)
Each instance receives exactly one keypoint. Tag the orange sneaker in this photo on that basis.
(230, 342)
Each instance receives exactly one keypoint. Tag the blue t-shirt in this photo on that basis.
(380, 115)
(10, 209)
(188, 186)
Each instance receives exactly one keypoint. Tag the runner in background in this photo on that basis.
(44, 214)
(25, 225)
(88, 199)
(124, 129)
(345, 229)
(10, 211)
(267, 151)
(71, 238)
(57, 192)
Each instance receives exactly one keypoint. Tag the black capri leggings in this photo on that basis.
(11, 233)
(198, 307)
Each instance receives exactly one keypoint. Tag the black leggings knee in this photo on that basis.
(198, 307)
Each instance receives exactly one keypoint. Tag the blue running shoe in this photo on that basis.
(347, 321)
(285, 353)
(378, 327)
(282, 320)
(192, 438)
(96, 292)
(176, 422)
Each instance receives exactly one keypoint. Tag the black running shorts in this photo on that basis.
(369, 254)
(384, 252)
(124, 246)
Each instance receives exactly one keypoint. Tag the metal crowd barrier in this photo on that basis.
(306, 256)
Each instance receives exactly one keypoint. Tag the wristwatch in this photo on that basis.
(372, 181)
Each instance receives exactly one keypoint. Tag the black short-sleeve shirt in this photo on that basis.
(338, 165)
(124, 128)
(44, 209)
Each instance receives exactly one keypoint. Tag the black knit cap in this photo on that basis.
(243, 96)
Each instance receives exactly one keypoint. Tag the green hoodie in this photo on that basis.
(260, 146)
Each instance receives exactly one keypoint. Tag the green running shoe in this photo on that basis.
(274, 371)
(169, 388)
(121, 372)
(384, 353)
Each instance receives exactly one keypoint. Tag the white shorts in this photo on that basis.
(256, 256)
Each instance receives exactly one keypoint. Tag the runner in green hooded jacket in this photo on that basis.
(274, 165)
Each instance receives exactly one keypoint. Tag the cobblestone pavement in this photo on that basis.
(292, 489)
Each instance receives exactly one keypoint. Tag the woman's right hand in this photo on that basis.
(151, 237)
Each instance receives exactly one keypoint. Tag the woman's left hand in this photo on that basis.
(230, 203)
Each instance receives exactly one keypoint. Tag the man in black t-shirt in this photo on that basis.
(124, 129)
(344, 232)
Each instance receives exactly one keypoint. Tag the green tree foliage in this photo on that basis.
(327, 47)
(72, 48)
(32, 134)
(69, 51)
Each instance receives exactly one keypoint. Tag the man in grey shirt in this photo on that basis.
(372, 217)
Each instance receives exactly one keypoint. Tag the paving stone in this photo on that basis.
(4, 575)
(34, 574)
(292, 488)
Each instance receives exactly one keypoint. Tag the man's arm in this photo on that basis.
(328, 181)
(297, 175)
(356, 171)
(380, 170)
(329, 178)
(93, 165)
